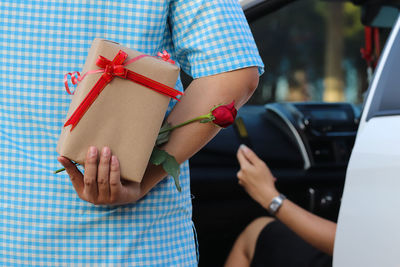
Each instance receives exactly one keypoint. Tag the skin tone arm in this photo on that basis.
(258, 181)
(101, 182)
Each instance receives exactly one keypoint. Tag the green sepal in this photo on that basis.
(206, 120)
(209, 119)
(217, 106)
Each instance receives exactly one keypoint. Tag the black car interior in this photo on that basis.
(306, 145)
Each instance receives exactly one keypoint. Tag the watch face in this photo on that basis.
(274, 206)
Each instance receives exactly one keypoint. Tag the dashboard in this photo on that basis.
(323, 132)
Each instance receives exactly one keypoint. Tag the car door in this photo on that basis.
(368, 226)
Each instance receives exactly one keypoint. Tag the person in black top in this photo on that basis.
(295, 237)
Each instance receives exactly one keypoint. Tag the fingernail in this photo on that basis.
(106, 151)
(114, 160)
(244, 148)
(92, 151)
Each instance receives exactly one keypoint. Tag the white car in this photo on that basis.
(368, 231)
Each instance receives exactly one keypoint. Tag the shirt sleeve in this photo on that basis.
(212, 37)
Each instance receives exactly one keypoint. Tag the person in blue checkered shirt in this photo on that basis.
(45, 219)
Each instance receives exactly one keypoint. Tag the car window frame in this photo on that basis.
(386, 77)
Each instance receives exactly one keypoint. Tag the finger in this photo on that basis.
(74, 174)
(115, 179)
(243, 161)
(89, 178)
(249, 154)
(103, 175)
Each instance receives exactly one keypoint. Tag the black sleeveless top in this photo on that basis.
(278, 246)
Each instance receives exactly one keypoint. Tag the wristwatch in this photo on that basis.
(275, 204)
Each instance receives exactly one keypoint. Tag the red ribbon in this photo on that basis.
(110, 69)
(165, 56)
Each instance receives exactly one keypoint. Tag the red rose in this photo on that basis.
(224, 115)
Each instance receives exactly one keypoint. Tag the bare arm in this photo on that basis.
(258, 181)
(101, 183)
(315, 230)
(201, 95)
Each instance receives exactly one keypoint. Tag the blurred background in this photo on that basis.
(311, 50)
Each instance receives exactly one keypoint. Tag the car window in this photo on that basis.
(386, 100)
(309, 55)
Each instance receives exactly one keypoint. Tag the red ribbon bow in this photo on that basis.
(165, 56)
(111, 69)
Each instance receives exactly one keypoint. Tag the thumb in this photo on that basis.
(249, 154)
(74, 174)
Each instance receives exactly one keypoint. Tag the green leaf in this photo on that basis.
(171, 166)
(158, 156)
(163, 138)
(166, 125)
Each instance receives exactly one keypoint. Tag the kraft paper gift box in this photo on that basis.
(125, 116)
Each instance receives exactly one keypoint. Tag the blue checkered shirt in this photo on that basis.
(42, 221)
